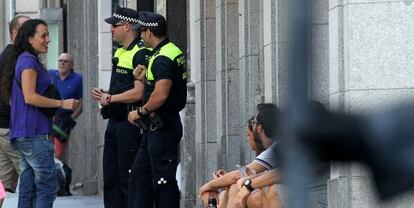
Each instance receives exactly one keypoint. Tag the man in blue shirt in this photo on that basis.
(69, 84)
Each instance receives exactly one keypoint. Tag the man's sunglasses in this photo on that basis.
(251, 122)
(117, 25)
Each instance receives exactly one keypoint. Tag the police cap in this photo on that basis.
(149, 20)
(123, 14)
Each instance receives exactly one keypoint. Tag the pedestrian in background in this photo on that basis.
(30, 127)
(69, 85)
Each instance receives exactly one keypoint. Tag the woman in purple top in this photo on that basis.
(30, 128)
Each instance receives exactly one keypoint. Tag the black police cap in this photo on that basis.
(149, 20)
(123, 14)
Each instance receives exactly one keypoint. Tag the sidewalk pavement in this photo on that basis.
(62, 201)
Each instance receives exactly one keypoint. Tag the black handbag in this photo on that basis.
(52, 93)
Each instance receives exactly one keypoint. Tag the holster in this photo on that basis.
(151, 122)
(143, 123)
(105, 112)
(156, 122)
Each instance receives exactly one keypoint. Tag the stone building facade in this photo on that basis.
(360, 60)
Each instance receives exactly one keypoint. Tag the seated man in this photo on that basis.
(248, 186)
(250, 189)
(264, 129)
(250, 140)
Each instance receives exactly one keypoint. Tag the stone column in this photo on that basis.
(227, 84)
(202, 58)
(251, 31)
(269, 50)
(84, 152)
(187, 153)
(280, 81)
(370, 69)
(319, 54)
(161, 7)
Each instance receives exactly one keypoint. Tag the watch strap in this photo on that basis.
(248, 184)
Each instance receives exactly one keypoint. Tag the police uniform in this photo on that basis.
(121, 138)
(152, 180)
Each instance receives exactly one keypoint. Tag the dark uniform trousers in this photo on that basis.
(152, 182)
(122, 141)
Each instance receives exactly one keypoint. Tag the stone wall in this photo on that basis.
(360, 61)
(85, 146)
(353, 45)
(246, 42)
(370, 68)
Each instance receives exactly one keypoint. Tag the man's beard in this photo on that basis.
(258, 141)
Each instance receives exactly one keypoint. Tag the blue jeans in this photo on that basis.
(37, 186)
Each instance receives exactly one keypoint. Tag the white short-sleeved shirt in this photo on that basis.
(267, 158)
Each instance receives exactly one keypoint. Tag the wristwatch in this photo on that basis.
(248, 184)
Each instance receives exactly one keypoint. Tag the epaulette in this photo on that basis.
(140, 43)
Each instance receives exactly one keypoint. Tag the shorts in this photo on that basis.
(9, 162)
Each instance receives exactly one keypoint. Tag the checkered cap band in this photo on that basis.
(148, 24)
(128, 19)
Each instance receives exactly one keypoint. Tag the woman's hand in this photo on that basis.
(69, 104)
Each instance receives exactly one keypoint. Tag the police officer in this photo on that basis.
(152, 179)
(121, 137)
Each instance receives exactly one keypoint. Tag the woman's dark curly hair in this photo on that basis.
(21, 44)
